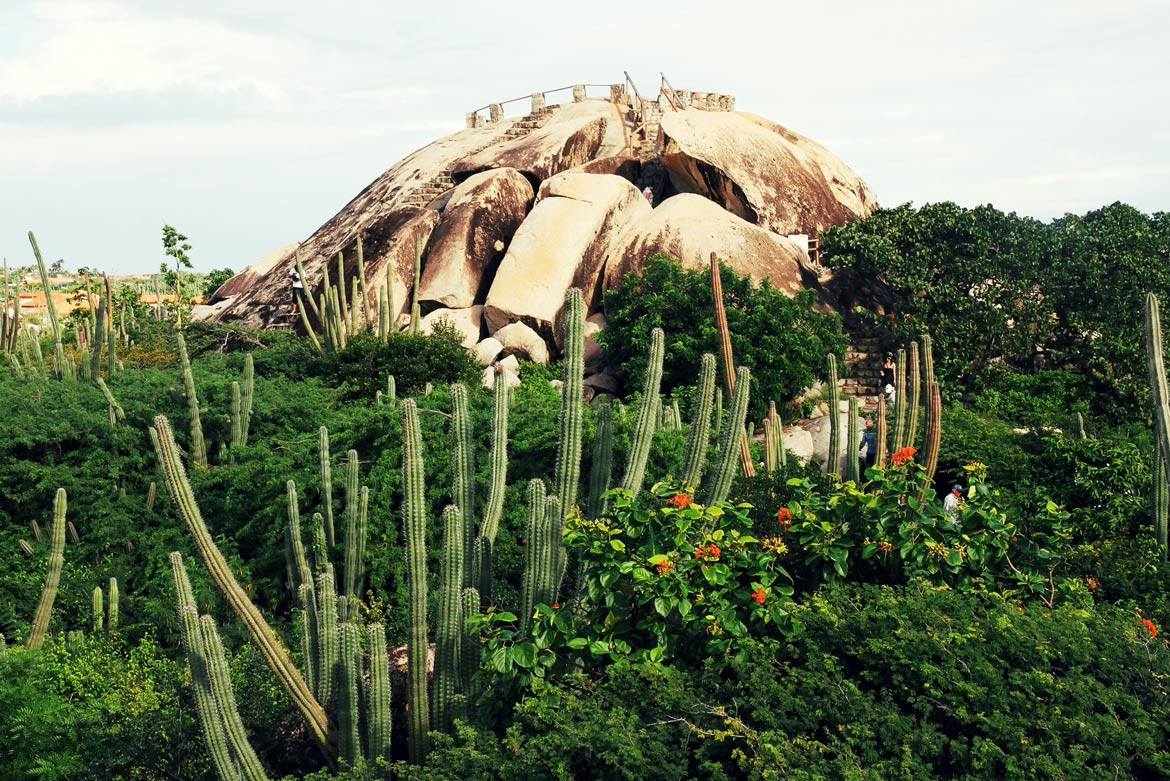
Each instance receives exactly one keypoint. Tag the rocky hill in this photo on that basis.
(509, 213)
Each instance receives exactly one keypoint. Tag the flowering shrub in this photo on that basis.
(893, 529)
(666, 580)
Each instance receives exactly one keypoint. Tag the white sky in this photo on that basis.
(247, 124)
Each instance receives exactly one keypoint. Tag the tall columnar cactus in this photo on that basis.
(469, 649)
(361, 277)
(644, 424)
(601, 470)
(463, 470)
(494, 509)
(59, 359)
(881, 433)
(198, 447)
(448, 630)
(112, 614)
(925, 379)
(111, 330)
(699, 436)
(774, 456)
(355, 528)
(914, 386)
(415, 522)
(234, 407)
(1155, 361)
(40, 624)
(246, 395)
(745, 455)
(933, 431)
(852, 461)
(379, 721)
(99, 338)
(728, 448)
(535, 549)
(99, 611)
(327, 650)
(415, 315)
(270, 646)
(326, 473)
(225, 703)
(568, 467)
(349, 696)
(900, 418)
(834, 455)
(717, 415)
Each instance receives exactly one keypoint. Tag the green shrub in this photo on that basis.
(414, 359)
(782, 339)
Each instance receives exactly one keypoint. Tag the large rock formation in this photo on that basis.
(725, 182)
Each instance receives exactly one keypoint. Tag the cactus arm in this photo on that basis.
(463, 469)
(198, 447)
(349, 704)
(326, 473)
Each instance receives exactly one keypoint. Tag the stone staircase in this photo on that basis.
(437, 186)
(863, 361)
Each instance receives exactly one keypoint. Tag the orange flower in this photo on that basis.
(1150, 626)
(759, 595)
(707, 552)
(680, 500)
(903, 455)
(665, 566)
(784, 517)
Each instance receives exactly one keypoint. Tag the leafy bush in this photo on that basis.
(414, 359)
(782, 339)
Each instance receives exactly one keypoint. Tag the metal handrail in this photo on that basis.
(546, 93)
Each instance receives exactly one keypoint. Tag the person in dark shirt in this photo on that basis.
(888, 379)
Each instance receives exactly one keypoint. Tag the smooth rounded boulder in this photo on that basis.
(468, 243)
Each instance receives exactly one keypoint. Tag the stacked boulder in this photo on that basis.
(535, 208)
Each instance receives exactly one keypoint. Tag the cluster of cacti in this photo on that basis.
(40, 624)
(774, 456)
(10, 325)
(266, 640)
(219, 715)
(105, 609)
(240, 409)
(1155, 361)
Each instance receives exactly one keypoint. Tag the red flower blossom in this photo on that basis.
(665, 566)
(904, 455)
(707, 552)
(784, 517)
(1150, 626)
(680, 500)
(759, 595)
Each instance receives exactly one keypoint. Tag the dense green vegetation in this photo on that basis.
(805, 628)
